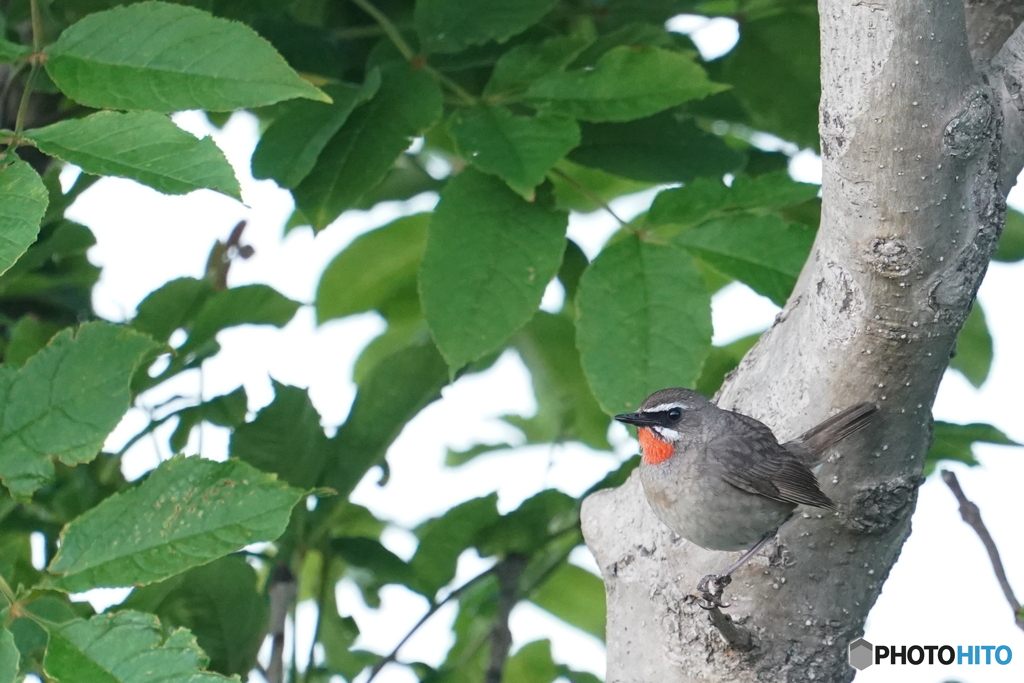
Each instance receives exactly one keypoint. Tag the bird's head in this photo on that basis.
(662, 419)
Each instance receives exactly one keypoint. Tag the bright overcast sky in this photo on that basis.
(941, 591)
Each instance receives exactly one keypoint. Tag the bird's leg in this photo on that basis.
(712, 585)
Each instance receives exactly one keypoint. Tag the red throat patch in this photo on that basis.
(654, 449)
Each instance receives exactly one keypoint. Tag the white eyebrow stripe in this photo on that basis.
(666, 433)
(667, 406)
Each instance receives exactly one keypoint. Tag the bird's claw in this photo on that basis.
(710, 589)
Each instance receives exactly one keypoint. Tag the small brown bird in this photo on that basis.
(721, 479)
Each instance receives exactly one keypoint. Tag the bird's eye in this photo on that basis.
(675, 413)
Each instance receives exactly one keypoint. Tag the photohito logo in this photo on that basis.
(863, 654)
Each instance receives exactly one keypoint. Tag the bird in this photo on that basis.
(721, 479)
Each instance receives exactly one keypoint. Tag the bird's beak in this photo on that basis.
(638, 419)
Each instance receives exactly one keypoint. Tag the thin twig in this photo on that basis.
(589, 194)
(395, 36)
(972, 515)
(390, 657)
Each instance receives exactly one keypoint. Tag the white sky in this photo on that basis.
(941, 591)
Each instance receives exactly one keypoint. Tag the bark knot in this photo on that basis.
(876, 508)
(890, 257)
(972, 127)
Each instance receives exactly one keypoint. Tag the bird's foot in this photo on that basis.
(711, 588)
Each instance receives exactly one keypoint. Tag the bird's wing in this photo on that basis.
(756, 463)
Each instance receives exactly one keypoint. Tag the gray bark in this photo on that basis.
(920, 145)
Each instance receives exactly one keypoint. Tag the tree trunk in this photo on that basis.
(920, 144)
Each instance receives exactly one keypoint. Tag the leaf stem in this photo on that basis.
(26, 95)
(5, 590)
(389, 28)
(37, 26)
(409, 54)
(589, 194)
(35, 60)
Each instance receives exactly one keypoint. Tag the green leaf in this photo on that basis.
(291, 145)
(467, 660)
(126, 647)
(578, 676)
(636, 33)
(530, 526)
(9, 657)
(373, 269)
(169, 58)
(442, 540)
(285, 438)
(368, 554)
(16, 556)
(523, 64)
(396, 390)
(658, 149)
(704, 199)
(721, 361)
(450, 25)
(955, 441)
(144, 146)
(532, 663)
(171, 307)
(644, 322)
(10, 52)
(29, 336)
(581, 187)
(219, 603)
(763, 252)
(187, 512)
(227, 410)
(337, 634)
(574, 264)
(456, 458)
(974, 348)
(575, 596)
(362, 152)
(519, 149)
(24, 198)
(566, 409)
(626, 83)
(406, 326)
(490, 254)
(1011, 242)
(65, 401)
(245, 305)
(775, 73)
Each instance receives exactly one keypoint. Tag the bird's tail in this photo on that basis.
(813, 443)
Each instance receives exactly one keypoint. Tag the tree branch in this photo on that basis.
(282, 592)
(1007, 80)
(972, 515)
(990, 23)
(913, 201)
(508, 572)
